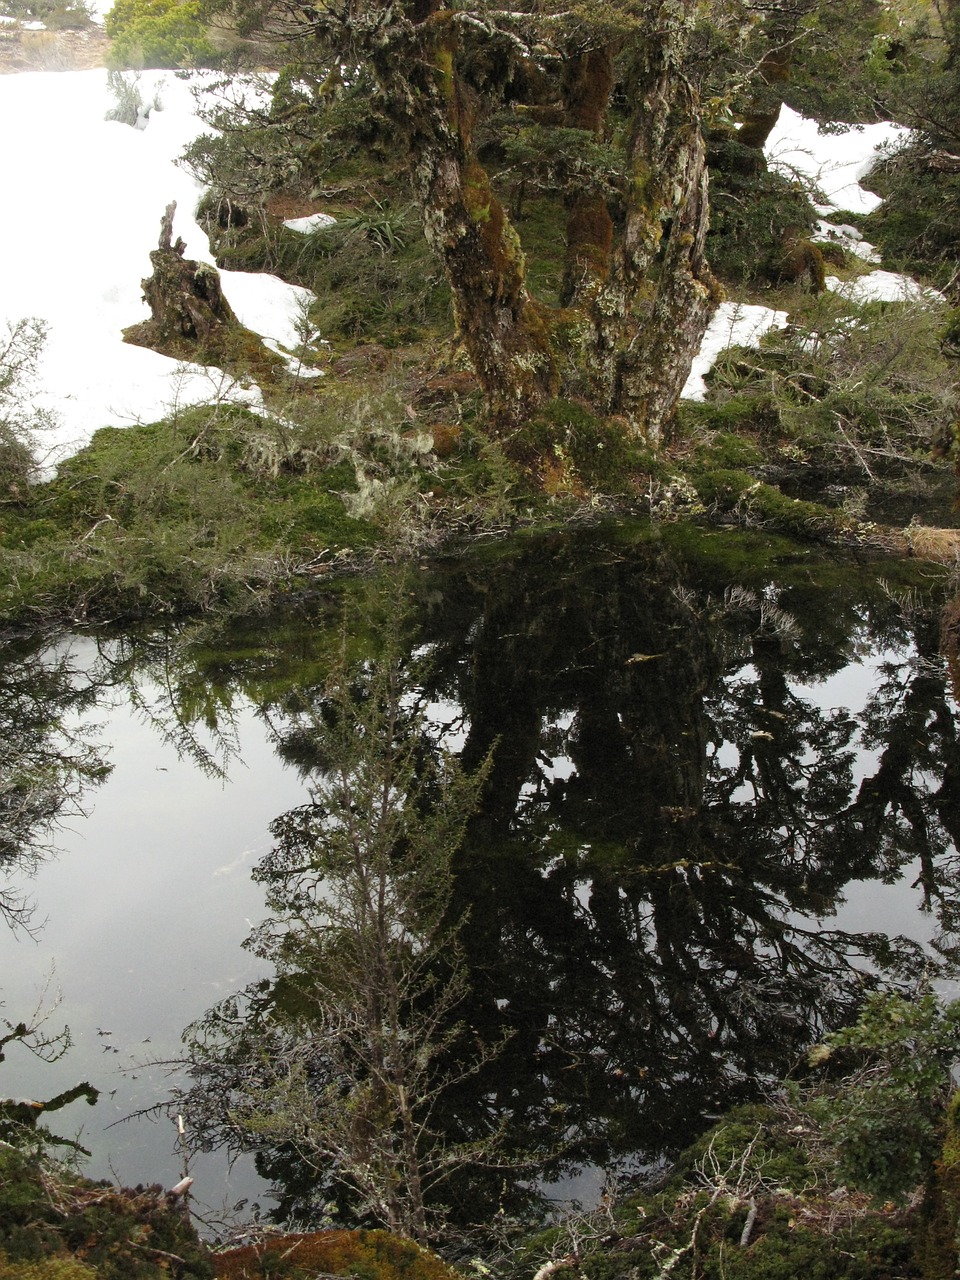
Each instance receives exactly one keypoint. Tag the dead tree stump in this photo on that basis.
(190, 317)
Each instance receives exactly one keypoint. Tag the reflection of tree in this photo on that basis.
(345, 1057)
(671, 814)
(647, 915)
(46, 763)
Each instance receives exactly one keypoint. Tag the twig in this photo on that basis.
(748, 1225)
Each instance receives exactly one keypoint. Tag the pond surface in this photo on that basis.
(724, 799)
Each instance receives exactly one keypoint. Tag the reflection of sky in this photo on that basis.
(869, 905)
(145, 913)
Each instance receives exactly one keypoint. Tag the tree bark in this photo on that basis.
(662, 274)
(499, 323)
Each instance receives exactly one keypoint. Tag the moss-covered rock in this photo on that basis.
(364, 1255)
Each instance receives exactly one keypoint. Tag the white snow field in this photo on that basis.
(83, 209)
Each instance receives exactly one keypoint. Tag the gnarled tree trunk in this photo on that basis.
(499, 323)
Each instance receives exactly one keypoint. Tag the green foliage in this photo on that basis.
(129, 102)
(918, 223)
(210, 507)
(884, 1117)
(56, 15)
(728, 450)
(754, 1162)
(47, 1269)
(856, 395)
(756, 214)
(158, 33)
(55, 1225)
(21, 424)
(372, 272)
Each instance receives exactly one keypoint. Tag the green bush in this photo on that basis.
(884, 1117)
(158, 33)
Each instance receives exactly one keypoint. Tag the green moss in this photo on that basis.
(728, 451)
(597, 453)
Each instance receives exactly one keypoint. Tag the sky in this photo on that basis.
(90, 193)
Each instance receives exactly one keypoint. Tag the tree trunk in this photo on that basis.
(190, 317)
(662, 273)
(499, 323)
(652, 370)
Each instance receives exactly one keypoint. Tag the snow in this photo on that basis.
(734, 324)
(75, 245)
(883, 286)
(835, 162)
(849, 239)
(310, 223)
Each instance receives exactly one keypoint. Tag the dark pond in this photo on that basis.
(724, 799)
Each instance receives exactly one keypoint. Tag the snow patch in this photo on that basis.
(848, 238)
(310, 223)
(734, 324)
(75, 245)
(883, 286)
(833, 161)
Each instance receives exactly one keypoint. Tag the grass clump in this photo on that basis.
(214, 507)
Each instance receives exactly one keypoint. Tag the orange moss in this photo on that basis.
(587, 88)
(365, 1255)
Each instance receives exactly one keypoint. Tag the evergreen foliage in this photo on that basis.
(158, 33)
(344, 1060)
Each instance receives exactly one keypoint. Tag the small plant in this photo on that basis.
(21, 424)
(883, 1117)
(130, 107)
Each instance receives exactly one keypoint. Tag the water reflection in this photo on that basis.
(674, 814)
(670, 818)
(48, 760)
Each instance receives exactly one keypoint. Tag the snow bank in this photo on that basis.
(75, 243)
(883, 286)
(834, 161)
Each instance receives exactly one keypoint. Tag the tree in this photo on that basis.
(344, 1057)
(592, 104)
(20, 421)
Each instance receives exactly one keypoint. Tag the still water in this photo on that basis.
(725, 796)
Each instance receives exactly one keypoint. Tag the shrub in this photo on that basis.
(158, 33)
